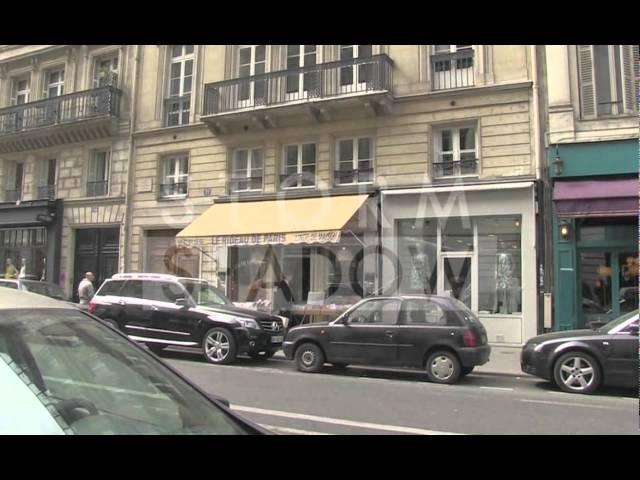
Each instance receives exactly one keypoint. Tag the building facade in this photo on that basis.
(593, 169)
(65, 114)
(344, 170)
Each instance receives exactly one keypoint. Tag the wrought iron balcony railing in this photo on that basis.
(326, 80)
(453, 70)
(97, 188)
(97, 102)
(455, 168)
(297, 180)
(173, 189)
(244, 184)
(349, 177)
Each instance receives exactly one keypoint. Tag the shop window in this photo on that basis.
(417, 255)
(457, 234)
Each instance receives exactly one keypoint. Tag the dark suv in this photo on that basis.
(163, 310)
(439, 334)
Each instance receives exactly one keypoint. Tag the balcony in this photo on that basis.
(297, 180)
(76, 117)
(244, 184)
(47, 192)
(98, 188)
(452, 70)
(168, 190)
(316, 91)
(352, 177)
(457, 168)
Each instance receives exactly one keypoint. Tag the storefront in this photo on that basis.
(285, 254)
(474, 243)
(30, 235)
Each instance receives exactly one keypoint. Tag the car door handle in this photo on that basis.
(389, 333)
(154, 308)
(122, 302)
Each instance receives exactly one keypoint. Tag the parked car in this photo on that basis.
(63, 371)
(439, 334)
(580, 361)
(50, 290)
(165, 310)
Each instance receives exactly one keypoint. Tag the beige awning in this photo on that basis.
(304, 220)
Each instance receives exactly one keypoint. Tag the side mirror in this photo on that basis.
(633, 330)
(181, 302)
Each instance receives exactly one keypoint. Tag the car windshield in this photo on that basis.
(614, 323)
(204, 294)
(94, 381)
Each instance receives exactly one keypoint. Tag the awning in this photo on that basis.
(596, 198)
(304, 220)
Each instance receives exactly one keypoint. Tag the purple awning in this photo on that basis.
(596, 198)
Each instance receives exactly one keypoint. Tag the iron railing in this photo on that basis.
(297, 180)
(452, 70)
(173, 189)
(455, 168)
(47, 192)
(12, 195)
(97, 188)
(348, 177)
(244, 184)
(326, 80)
(97, 102)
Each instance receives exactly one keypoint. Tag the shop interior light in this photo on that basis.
(565, 231)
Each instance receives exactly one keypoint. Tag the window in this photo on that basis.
(419, 311)
(54, 83)
(180, 83)
(247, 170)
(355, 77)
(355, 161)
(418, 255)
(300, 84)
(110, 287)
(162, 291)
(455, 152)
(499, 265)
(299, 166)
(105, 71)
(175, 176)
(376, 312)
(608, 79)
(452, 66)
(46, 173)
(14, 180)
(21, 90)
(98, 177)
(132, 289)
(252, 61)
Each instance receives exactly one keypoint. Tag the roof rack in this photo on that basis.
(143, 276)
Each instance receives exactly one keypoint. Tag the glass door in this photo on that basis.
(456, 274)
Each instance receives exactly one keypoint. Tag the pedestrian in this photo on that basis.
(23, 268)
(86, 290)
(10, 271)
(43, 276)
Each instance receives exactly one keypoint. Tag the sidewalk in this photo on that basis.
(503, 361)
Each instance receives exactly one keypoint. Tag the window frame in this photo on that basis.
(58, 85)
(15, 93)
(184, 99)
(176, 175)
(368, 302)
(355, 161)
(299, 165)
(250, 168)
(456, 151)
(301, 92)
(91, 167)
(114, 74)
(250, 101)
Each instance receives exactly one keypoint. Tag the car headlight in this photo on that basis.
(248, 323)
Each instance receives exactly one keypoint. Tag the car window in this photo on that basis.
(423, 312)
(375, 312)
(94, 381)
(9, 285)
(132, 289)
(628, 328)
(204, 294)
(110, 287)
(167, 292)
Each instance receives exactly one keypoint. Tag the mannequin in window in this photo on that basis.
(504, 282)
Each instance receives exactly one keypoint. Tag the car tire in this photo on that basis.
(219, 347)
(577, 372)
(263, 355)
(309, 358)
(464, 371)
(443, 367)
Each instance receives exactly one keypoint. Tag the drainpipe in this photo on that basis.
(131, 164)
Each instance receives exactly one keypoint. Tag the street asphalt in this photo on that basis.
(360, 400)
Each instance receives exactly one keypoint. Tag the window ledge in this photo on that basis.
(169, 198)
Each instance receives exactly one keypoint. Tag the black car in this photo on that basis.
(63, 371)
(165, 310)
(437, 333)
(580, 361)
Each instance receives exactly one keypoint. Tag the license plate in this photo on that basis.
(277, 339)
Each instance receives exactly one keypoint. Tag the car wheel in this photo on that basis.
(464, 371)
(219, 346)
(262, 355)
(309, 358)
(443, 367)
(577, 372)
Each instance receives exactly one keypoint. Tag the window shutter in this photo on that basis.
(587, 81)
(629, 77)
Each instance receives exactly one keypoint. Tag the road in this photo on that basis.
(361, 400)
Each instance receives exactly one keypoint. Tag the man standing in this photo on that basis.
(10, 271)
(23, 268)
(86, 290)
